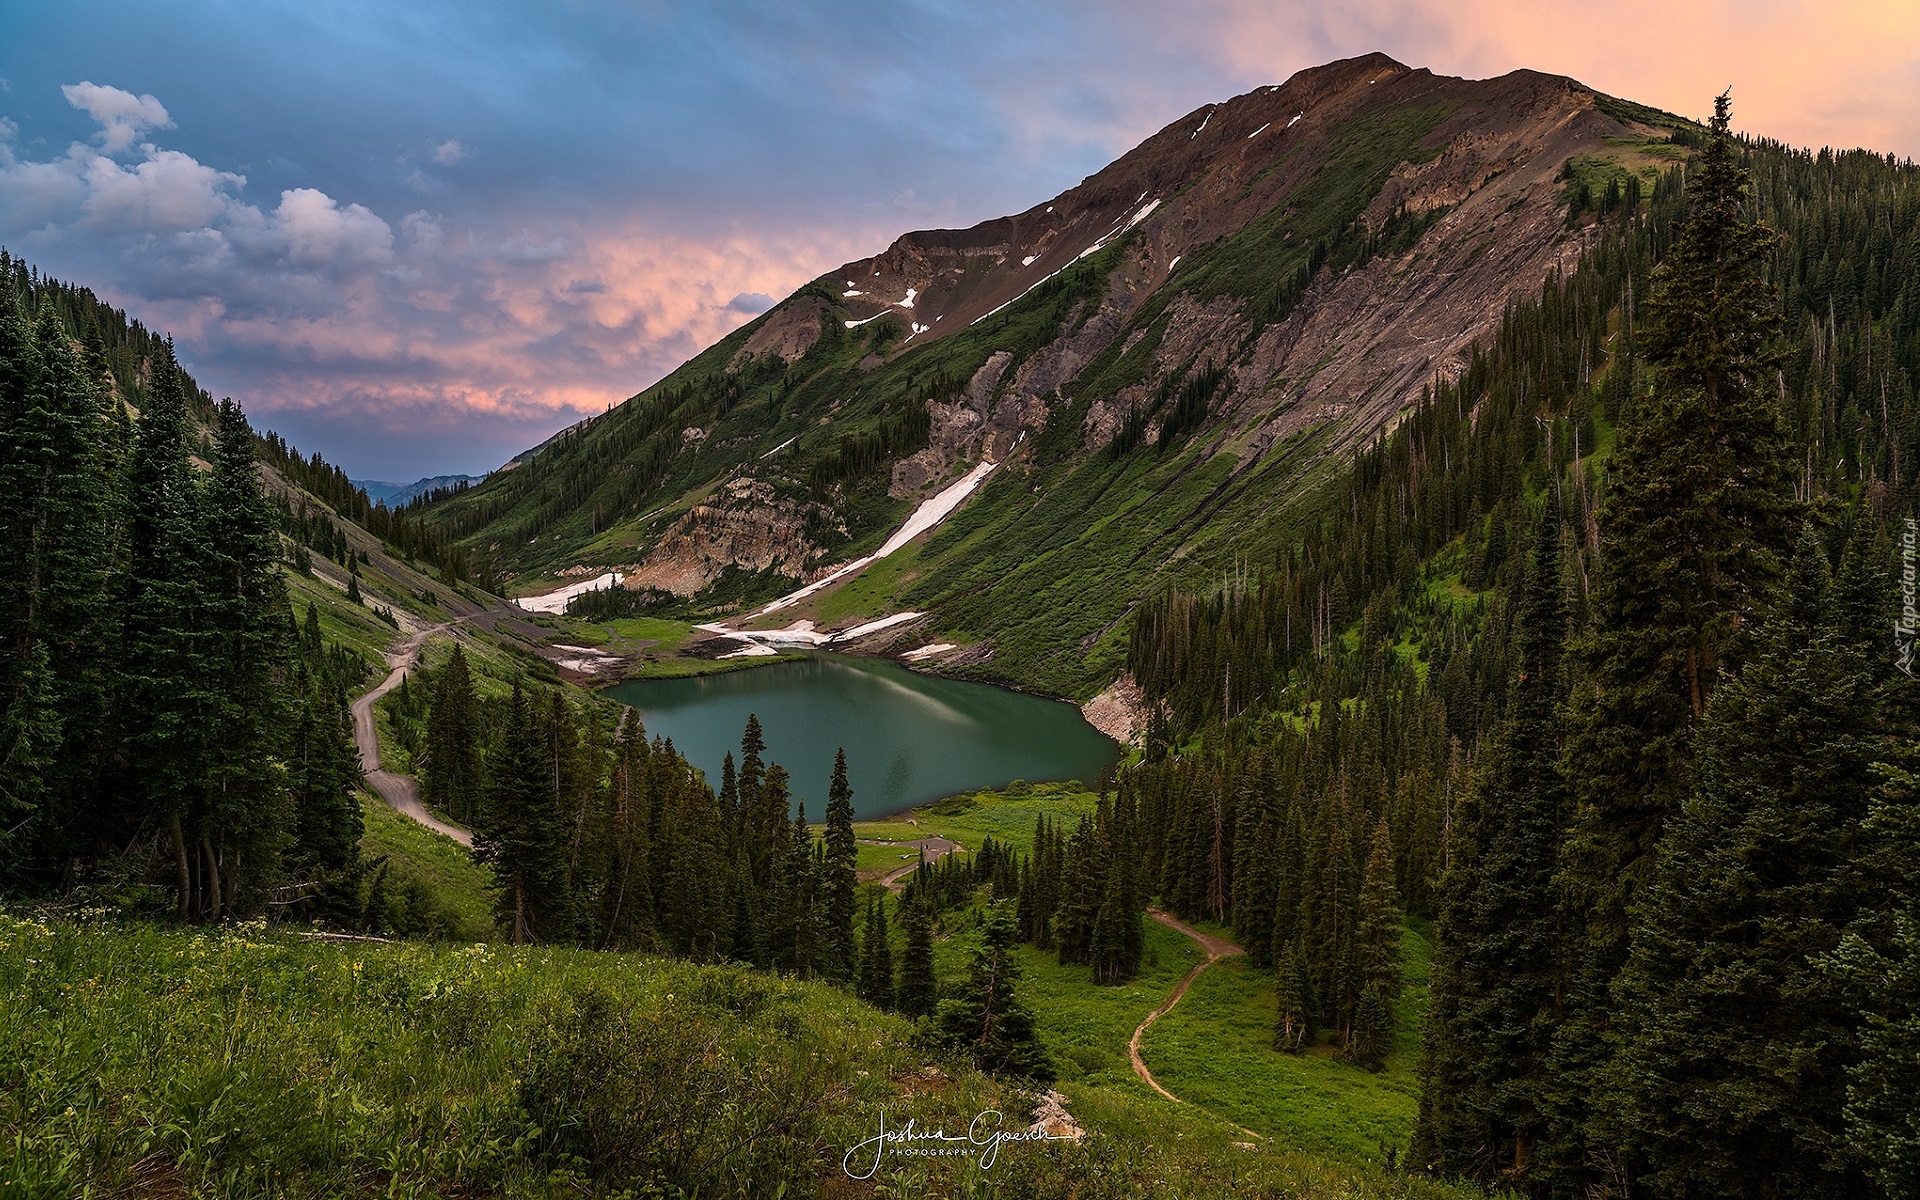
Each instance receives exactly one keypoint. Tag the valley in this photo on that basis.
(1345, 655)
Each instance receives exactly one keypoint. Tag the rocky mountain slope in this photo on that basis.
(1162, 361)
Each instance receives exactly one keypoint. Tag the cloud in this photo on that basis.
(170, 190)
(449, 152)
(751, 303)
(313, 230)
(122, 115)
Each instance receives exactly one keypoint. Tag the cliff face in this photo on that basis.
(1160, 359)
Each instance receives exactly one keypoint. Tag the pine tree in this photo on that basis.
(1293, 1022)
(875, 983)
(453, 778)
(168, 684)
(57, 554)
(1733, 1045)
(1691, 536)
(985, 1018)
(521, 837)
(1692, 533)
(1376, 948)
(1498, 990)
(1877, 968)
(838, 880)
(248, 822)
(919, 988)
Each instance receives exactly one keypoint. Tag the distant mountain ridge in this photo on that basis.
(393, 495)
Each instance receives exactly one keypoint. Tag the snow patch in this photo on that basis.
(851, 292)
(1256, 133)
(929, 651)
(860, 631)
(1296, 119)
(864, 320)
(1174, 263)
(782, 446)
(1143, 214)
(929, 514)
(751, 650)
(1203, 124)
(556, 600)
(1028, 260)
(911, 293)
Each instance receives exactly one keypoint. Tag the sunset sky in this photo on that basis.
(421, 236)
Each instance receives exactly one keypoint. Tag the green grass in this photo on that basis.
(1086, 1027)
(341, 622)
(1215, 1050)
(1006, 815)
(873, 592)
(247, 1061)
(682, 668)
(457, 885)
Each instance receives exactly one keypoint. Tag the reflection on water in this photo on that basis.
(910, 738)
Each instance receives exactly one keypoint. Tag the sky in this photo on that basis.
(421, 235)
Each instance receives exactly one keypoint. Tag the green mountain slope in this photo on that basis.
(1161, 361)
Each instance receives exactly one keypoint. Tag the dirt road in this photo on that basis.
(935, 848)
(1217, 949)
(398, 790)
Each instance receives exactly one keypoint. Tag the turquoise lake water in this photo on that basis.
(910, 738)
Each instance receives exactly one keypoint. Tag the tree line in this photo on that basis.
(166, 726)
(1635, 740)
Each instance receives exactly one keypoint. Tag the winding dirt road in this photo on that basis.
(398, 790)
(933, 847)
(1217, 949)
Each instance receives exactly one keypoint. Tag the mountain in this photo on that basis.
(393, 495)
(1160, 361)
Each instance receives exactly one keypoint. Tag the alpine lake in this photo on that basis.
(910, 738)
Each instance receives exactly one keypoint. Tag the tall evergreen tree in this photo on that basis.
(875, 982)
(1503, 953)
(919, 987)
(1733, 1046)
(838, 879)
(169, 686)
(248, 821)
(453, 779)
(1691, 536)
(520, 836)
(985, 1018)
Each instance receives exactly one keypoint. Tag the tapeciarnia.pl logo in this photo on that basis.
(1909, 622)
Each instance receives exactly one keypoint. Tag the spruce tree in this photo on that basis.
(1498, 988)
(453, 776)
(875, 983)
(838, 880)
(249, 822)
(1733, 1045)
(521, 837)
(168, 684)
(1293, 1021)
(1877, 967)
(918, 988)
(985, 1018)
(1692, 535)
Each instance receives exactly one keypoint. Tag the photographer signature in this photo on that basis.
(980, 1138)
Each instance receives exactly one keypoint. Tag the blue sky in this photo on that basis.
(419, 237)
